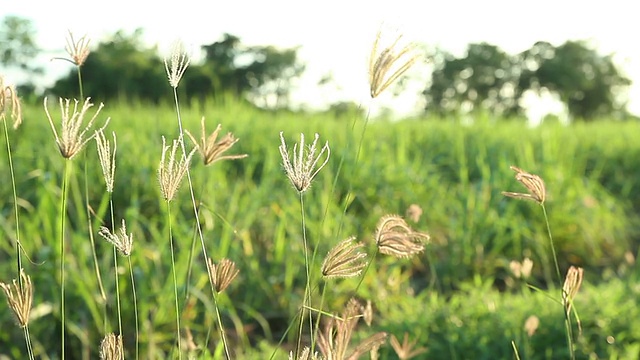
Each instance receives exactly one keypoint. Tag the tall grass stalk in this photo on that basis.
(175, 279)
(306, 301)
(63, 212)
(18, 244)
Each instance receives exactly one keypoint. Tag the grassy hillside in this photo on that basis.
(459, 299)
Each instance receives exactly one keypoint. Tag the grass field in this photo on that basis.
(459, 299)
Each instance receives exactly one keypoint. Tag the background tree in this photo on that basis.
(120, 67)
(18, 49)
(586, 81)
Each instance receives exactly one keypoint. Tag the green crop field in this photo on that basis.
(458, 299)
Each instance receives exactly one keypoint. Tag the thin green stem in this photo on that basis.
(15, 204)
(27, 339)
(135, 307)
(366, 269)
(567, 319)
(196, 213)
(63, 211)
(175, 279)
(115, 266)
(306, 301)
(80, 84)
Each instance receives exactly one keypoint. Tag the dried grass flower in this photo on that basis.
(406, 350)
(305, 163)
(107, 158)
(414, 212)
(222, 274)
(20, 301)
(533, 183)
(121, 240)
(395, 237)
(178, 63)
(211, 150)
(71, 139)
(344, 260)
(334, 340)
(390, 58)
(521, 269)
(531, 325)
(367, 313)
(171, 171)
(9, 99)
(78, 50)
(572, 283)
(306, 354)
(111, 347)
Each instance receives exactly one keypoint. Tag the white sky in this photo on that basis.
(336, 36)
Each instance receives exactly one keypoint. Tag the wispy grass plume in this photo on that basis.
(20, 299)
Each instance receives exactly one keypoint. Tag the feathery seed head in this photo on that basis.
(305, 163)
(222, 274)
(107, 158)
(572, 283)
(211, 150)
(344, 260)
(394, 237)
(389, 59)
(111, 348)
(531, 325)
(178, 63)
(406, 350)
(122, 241)
(521, 270)
(71, 141)
(171, 172)
(533, 183)
(78, 50)
(20, 301)
(9, 98)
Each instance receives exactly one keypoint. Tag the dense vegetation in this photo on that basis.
(459, 299)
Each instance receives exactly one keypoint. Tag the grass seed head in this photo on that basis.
(20, 298)
(306, 354)
(9, 99)
(304, 167)
(211, 150)
(533, 183)
(344, 260)
(389, 59)
(71, 138)
(572, 283)
(77, 50)
(107, 158)
(531, 325)
(111, 348)
(394, 237)
(406, 350)
(177, 65)
(222, 274)
(171, 171)
(122, 241)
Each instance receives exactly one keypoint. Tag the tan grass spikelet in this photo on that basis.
(77, 50)
(305, 354)
(9, 99)
(177, 65)
(388, 61)
(71, 138)
(406, 350)
(20, 301)
(572, 283)
(344, 260)
(171, 171)
(533, 183)
(121, 240)
(531, 325)
(111, 347)
(395, 237)
(212, 150)
(222, 274)
(107, 158)
(304, 167)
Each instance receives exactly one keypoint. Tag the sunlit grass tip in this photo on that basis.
(395, 237)
(533, 183)
(171, 171)
(572, 283)
(20, 298)
(121, 240)
(111, 348)
(304, 167)
(222, 273)
(391, 56)
(406, 350)
(212, 150)
(71, 138)
(177, 64)
(78, 50)
(9, 99)
(344, 260)
(107, 158)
